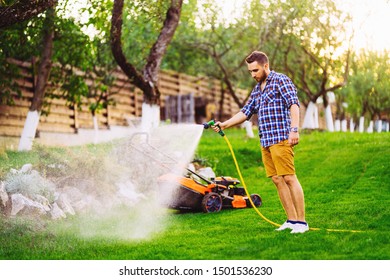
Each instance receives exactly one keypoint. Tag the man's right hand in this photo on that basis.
(238, 118)
(217, 126)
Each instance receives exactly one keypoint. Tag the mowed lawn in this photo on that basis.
(345, 177)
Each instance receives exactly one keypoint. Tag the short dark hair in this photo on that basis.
(260, 57)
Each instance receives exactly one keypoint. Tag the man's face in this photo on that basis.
(258, 71)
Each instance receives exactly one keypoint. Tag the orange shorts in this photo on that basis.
(278, 159)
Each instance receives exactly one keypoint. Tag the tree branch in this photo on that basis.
(45, 63)
(227, 81)
(23, 10)
(159, 48)
(345, 76)
(313, 58)
(117, 51)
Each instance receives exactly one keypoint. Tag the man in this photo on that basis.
(275, 100)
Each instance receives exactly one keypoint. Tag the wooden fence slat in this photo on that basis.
(12, 122)
(13, 131)
(48, 127)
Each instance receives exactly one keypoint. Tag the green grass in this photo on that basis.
(345, 177)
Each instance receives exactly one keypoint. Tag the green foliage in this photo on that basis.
(72, 46)
(4, 3)
(205, 41)
(142, 24)
(367, 91)
(309, 45)
(20, 41)
(346, 182)
(8, 86)
(76, 88)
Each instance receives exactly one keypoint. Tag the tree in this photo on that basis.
(285, 31)
(222, 42)
(48, 39)
(44, 69)
(312, 55)
(213, 46)
(21, 41)
(86, 75)
(367, 92)
(147, 80)
(13, 11)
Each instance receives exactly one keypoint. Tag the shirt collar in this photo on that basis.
(270, 75)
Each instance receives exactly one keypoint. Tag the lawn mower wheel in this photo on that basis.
(212, 202)
(256, 199)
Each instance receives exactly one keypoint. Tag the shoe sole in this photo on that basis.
(301, 231)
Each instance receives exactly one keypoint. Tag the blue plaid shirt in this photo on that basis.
(272, 107)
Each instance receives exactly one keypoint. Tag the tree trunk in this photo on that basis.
(370, 128)
(150, 117)
(159, 48)
(23, 10)
(29, 131)
(337, 125)
(45, 63)
(248, 129)
(311, 116)
(344, 125)
(379, 125)
(147, 81)
(95, 128)
(117, 51)
(329, 118)
(32, 120)
(361, 124)
(351, 125)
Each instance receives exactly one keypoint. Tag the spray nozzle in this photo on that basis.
(208, 124)
(211, 123)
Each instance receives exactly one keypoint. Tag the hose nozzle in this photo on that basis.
(211, 123)
(208, 124)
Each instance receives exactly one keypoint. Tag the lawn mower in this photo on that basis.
(195, 192)
(211, 196)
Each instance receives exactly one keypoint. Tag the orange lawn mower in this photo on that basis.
(200, 194)
(216, 194)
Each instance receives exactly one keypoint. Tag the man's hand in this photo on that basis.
(293, 138)
(217, 126)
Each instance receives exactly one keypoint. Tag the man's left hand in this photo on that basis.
(293, 138)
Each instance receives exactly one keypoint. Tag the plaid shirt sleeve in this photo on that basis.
(288, 91)
(252, 107)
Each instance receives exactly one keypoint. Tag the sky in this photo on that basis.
(371, 20)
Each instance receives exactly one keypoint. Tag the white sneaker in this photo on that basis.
(299, 228)
(286, 225)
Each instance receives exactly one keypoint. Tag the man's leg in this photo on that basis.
(298, 200)
(285, 197)
(296, 193)
(288, 193)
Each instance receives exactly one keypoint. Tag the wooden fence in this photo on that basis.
(65, 118)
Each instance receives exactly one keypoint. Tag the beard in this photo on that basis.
(262, 77)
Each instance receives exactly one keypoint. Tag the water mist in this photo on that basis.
(136, 208)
